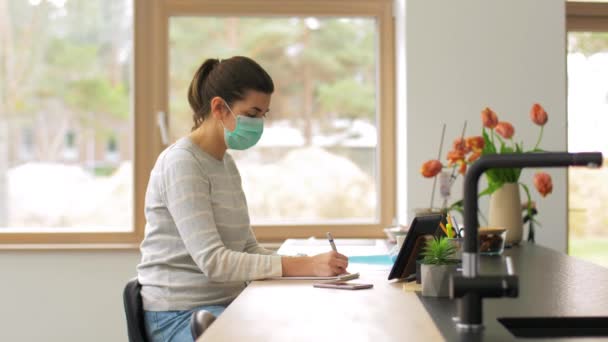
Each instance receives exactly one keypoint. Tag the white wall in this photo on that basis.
(462, 56)
(3, 173)
(64, 296)
(401, 108)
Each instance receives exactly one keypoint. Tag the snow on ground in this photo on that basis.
(307, 183)
(58, 195)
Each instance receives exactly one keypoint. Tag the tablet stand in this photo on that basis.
(410, 266)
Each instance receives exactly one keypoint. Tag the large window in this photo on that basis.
(317, 159)
(326, 156)
(83, 84)
(66, 117)
(587, 123)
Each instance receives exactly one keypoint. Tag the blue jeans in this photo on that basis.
(174, 326)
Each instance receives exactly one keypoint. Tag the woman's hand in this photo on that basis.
(321, 265)
(329, 264)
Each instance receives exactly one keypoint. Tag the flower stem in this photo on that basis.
(540, 136)
(529, 206)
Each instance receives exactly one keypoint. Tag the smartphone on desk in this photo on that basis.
(344, 285)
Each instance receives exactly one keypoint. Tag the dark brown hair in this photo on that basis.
(229, 79)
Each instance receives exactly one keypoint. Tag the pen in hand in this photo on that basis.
(331, 242)
(333, 247)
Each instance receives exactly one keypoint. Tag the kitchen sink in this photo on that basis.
(543, 327)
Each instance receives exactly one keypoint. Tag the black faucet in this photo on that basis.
(471, 287)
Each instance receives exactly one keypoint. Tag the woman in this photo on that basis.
(199, 251)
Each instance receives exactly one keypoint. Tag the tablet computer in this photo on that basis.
(421, 229)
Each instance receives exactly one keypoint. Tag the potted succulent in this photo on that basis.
(438, 264)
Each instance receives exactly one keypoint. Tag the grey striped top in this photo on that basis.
(198, 247)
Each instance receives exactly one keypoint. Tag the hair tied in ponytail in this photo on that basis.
(236, 76)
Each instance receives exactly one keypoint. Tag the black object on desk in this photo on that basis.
(421, 229)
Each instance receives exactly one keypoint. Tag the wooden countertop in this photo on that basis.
(289, 310)
(551, 284)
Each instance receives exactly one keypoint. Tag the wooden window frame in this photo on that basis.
(382, 11)
(146, 141)
(150, 74)
(584, 17)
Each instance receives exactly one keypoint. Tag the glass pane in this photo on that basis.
(66, 125)
(317, 159)
(587, 124)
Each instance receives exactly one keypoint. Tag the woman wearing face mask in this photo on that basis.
(199, 251)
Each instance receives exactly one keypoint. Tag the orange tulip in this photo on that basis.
(431, 168)
(474, 156)
(538, 115)
(455, 156)
(489, 118)
(475, 143)
(543, 183)
(505, 129)
(460, 145)
(463, 167)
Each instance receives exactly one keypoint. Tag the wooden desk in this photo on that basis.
(551, 284)
(295, 311)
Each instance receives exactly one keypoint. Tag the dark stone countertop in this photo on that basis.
(551, 284)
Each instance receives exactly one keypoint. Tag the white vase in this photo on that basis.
(505, 212)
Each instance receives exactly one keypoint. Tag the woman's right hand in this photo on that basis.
(329, 264)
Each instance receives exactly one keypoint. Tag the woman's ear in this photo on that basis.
(218, 108)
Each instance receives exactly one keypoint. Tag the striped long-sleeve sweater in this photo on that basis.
(198, 247)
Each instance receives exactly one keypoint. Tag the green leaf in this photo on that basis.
(517, 174)
(500, 139)
(529, 208)
(492, 186)
(505, 149)
(488, 146)
(438, 251)
(457, 206)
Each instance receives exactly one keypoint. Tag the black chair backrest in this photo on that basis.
(134, 311)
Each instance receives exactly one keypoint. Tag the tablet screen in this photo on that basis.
(422, 226)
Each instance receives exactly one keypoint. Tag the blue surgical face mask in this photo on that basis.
(247, 132)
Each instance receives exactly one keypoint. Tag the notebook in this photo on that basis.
(344, 277)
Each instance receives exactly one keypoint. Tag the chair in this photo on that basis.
(134, 311)
(199, 322)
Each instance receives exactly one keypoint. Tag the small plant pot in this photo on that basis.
(436, 279)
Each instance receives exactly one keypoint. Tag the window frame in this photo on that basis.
(586, 16)
(382, 10)
(151, 95)
(144, 136)
(583, 17)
